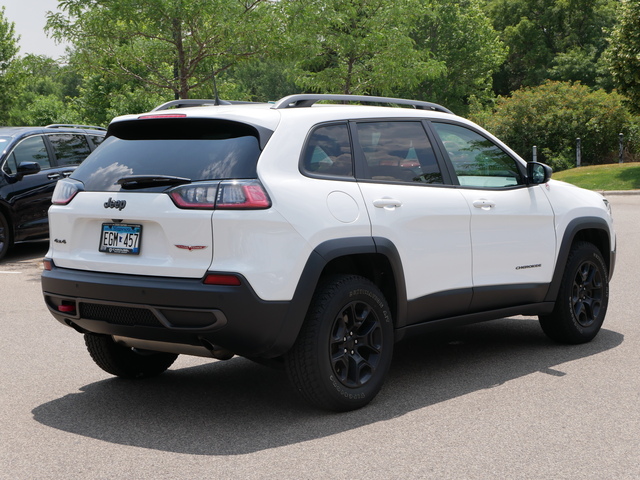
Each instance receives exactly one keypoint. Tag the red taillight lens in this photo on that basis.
(242, 194)
(65, 190)
(221, 279)
(225, 195)
(47, 264)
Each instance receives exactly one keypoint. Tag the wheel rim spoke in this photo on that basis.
(356, 344)
(587, 293)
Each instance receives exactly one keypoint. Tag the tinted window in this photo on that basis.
(398, 151)
(96, 139)
(477, 161)
(190, 148)
(328, 151)
(30, 149)
(70, 149)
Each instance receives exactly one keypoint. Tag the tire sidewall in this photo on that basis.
(355, 290)
(586, 253)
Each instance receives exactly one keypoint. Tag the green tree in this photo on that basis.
(551, 39)
(42, 92)
(357, 46)
(174, 45)
(623, 54)
(8, 50)
(460, 36)
(553, 115)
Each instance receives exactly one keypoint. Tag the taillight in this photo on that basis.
(65, 190)
(225, 195)
(221, 279)
(242, 194)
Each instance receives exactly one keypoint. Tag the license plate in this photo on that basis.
(120, 238)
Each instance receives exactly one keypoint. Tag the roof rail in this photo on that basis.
(308, 99)
(68, 125)
(193, 102)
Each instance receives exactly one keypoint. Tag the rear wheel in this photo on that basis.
(5, 236)
(582, 299)
(126, 362)
(344, 348)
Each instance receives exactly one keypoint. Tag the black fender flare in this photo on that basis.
(319, 258)
(574, 227)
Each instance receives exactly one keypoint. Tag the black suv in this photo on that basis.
(32, 160)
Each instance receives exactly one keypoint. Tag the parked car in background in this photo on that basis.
(32, 160)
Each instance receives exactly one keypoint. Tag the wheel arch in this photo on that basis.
(376, 259)
(594, 230)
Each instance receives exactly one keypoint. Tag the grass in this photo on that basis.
(625, 176)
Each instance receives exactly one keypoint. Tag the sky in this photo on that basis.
(29, 18)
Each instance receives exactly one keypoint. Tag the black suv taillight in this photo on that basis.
(225, 195)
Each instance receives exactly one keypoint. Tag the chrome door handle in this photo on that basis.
(53, 176)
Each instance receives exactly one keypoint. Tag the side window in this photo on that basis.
(96, 139)
(398, 152)
(70, 149)
(477, 161)
(328, 151)
(31, 149)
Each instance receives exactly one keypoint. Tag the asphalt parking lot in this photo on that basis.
(494, 400)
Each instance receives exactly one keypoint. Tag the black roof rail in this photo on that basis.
(68, 125)
(308, 99)
(193, 102)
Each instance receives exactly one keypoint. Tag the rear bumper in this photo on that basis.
(170, 310)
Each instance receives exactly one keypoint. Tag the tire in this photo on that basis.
(5, 236)
(582, 299)
(343, 351)
(123, 361)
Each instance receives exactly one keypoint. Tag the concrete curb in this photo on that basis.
(618, 192)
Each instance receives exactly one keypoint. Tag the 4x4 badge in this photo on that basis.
(192, 247)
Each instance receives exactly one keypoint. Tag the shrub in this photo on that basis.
(553, 115)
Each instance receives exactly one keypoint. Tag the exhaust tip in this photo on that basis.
(217, 352)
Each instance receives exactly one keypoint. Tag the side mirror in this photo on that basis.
(538, 173)
(28, 168)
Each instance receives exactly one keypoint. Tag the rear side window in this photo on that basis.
(196, 149)
(398, 152)
(70, 149)
(328, 151)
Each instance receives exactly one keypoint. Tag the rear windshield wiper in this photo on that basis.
(143, 181)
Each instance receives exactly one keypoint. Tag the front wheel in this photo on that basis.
(126, 362)
(344, 348)
(582, 299)
(5, 236)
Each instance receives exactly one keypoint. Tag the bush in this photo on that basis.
(553, 115)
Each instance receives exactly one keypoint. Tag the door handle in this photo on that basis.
(484, 204)
(387, 202)
(53, 176)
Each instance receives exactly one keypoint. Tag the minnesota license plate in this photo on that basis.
(120, 238)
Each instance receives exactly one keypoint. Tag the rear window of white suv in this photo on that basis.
(195, 149)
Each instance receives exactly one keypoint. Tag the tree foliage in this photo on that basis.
(553, 115)
(623, 54)
(551, 39)
(357, 46)
(8, 51)
(174, 45)
(461, 37)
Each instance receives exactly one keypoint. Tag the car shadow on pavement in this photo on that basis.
(238, 407)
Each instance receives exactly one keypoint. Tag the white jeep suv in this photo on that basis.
(317, 235)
